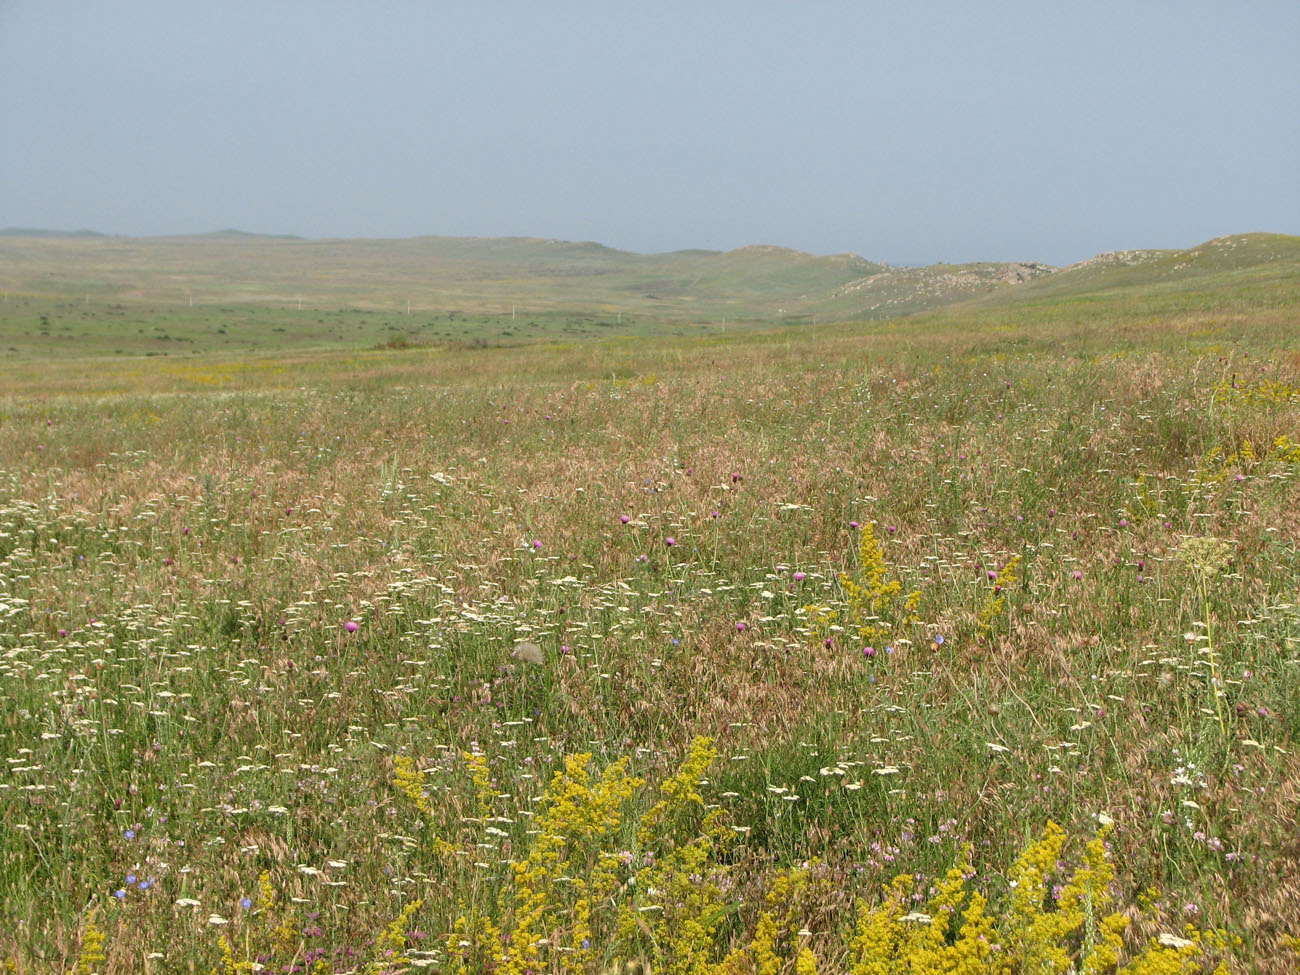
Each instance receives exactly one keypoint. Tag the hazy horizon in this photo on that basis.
(939, 132)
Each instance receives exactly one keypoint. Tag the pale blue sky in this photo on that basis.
(906, 132)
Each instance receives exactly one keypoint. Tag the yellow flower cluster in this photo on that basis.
(551, 893)
(1266, 391)
(1218, 463)
(576, 903)
(280, 939)
(92, 953)
(872, 596)
(410, 782)
(390, 945)
(478, 767)
(991, 613)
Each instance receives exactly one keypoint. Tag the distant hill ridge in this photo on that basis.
(38, 232)
(500, 274)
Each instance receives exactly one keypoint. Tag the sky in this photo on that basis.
(907, 132)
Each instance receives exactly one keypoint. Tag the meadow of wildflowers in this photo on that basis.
(968, 643)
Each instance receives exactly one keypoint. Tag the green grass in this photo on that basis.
(182, 539)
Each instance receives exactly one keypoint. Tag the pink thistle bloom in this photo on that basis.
(670, 540)
(352, 626)
(799, 577)
(741, 627)
(625, 518)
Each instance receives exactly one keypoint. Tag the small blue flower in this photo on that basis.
(939, 639)
(586, 943)
(129, 834)
(130, 878)
(145, 884)
(120, 894)
(245, 902)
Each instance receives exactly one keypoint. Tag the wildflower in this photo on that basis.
(537, 543)
(245, 902)
(129, 834)
(868, 652)
(1078, 574)
(352, 626)
(939, 639)
(854, 525)
(741, 626)
(120, 894)
(670, 540)
(799, 577)
(625, 518)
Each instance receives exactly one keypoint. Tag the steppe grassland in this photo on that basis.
(208, 766)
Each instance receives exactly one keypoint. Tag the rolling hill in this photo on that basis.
(229, 291)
